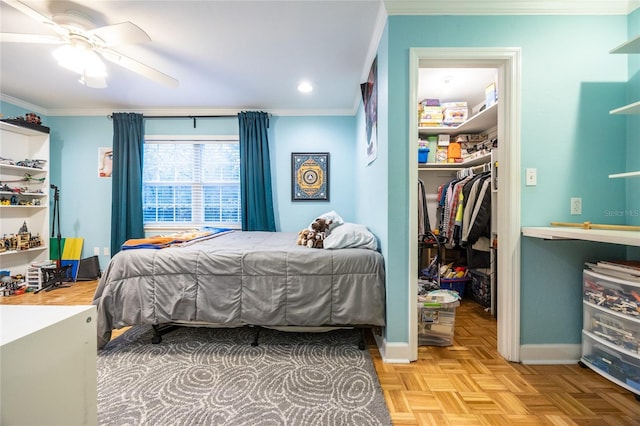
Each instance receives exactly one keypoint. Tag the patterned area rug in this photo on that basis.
(213, 376)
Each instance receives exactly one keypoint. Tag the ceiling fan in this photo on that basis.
(83, 45)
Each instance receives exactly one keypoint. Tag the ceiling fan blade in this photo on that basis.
(29, 38)
(96, 82)
(138, 67)
(122, 33)
(33, 14)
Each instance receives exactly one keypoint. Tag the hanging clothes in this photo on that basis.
(424, 226)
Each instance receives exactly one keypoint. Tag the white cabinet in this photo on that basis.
(611, 329)
(48, 363)
(24, 191)
(629, 47)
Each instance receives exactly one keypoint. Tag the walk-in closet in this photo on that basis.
(457, 185)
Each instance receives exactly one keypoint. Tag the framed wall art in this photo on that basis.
(309, 176)
(370, 100)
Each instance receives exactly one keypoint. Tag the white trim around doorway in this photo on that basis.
(508, 63)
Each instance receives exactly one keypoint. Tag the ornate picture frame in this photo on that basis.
(309, 176)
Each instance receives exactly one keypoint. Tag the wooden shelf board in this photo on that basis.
(478, 123)
(630, 46)
(624, 175)
(456, 166)
(10, 252)
(630, 109)
(629, 238)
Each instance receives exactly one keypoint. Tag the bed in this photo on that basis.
(236, 278)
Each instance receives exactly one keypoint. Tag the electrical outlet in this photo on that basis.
(106, 251)
(576, 205)
(532, 177)
(96, 251)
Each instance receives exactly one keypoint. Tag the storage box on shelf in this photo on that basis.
(24, 188)
(611, 328)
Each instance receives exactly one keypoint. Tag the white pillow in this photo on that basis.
(350, 235)
(333, 217)
(329, 216)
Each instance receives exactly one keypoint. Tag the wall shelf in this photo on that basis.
(624, 175)
(630, 238)
(630, 109)
(33, 249)
(629, 46)
(478, 123)
(456, 166)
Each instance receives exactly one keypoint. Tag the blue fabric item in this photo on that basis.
(177, 239)
(255, 173)
(126, 189)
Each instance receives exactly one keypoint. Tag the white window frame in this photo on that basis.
(155, 229)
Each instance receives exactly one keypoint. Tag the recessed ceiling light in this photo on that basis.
(305, 87)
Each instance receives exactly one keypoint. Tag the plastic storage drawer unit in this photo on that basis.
(612, 293)
(611, 328)
(620, 367)
(621, 331)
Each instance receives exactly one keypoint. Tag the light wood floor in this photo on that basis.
(468, 383)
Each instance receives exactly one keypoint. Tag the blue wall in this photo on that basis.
(633, 129)
(85, 199)
(569, 83)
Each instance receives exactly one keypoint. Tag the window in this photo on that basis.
(191, 182)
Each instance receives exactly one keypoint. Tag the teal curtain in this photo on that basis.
(255, 173)
(126, 189)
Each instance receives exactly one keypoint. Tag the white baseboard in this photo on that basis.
(393, 353)
(550, 354)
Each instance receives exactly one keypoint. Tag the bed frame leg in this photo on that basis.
(256, 336)
(157, 337)
(361, 343)
(159, 330)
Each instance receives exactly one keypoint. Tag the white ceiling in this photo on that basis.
(227, 55)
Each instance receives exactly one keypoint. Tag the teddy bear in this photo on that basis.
(321, 225)
(303, 237)
(315, 239)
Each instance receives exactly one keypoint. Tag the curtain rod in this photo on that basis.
(191, 117)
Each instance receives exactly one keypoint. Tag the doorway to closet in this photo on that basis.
(501, 121)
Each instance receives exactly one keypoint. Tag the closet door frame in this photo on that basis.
(507, 61)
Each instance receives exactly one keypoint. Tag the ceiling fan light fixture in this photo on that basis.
(305, 87)
(82, 60)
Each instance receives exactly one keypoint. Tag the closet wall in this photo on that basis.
(468, 85)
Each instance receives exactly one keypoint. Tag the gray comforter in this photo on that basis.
(240, 278)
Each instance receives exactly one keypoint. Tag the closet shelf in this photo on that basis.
(456, 166)
(630, 238)
(478, 123)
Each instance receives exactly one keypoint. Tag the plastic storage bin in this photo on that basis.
(481, 286)
(455, 284)
(611, 293)
(436, 318)
(619, 330)
(615, 365)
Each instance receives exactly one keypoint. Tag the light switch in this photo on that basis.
(532, 177)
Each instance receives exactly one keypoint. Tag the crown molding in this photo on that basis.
(511, 7)
(22, 104)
